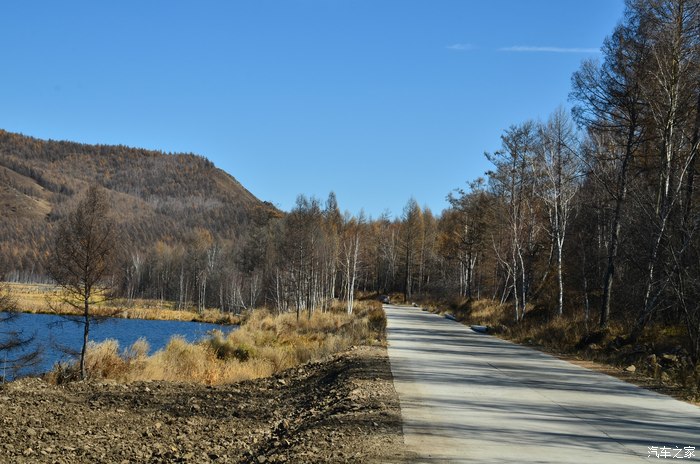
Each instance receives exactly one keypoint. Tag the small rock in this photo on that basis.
(31, 432)
(262, 459)
(28, 452)
(281, 382)
(630, 368)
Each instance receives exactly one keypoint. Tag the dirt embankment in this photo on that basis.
(342, 409)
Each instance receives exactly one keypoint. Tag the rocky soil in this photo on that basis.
(342, 409)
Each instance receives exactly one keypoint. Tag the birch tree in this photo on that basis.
(670, 88)
(352, 231)
(468, 235)
(411, 236)
(557, 173)
(513, 182)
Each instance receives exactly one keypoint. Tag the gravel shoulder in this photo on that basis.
(341, 409)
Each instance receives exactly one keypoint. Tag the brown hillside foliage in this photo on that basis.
(154, 196)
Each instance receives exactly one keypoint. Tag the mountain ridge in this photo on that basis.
(155, 196)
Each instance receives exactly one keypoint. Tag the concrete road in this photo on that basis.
(468, 397)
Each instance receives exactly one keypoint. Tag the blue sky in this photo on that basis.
(376, 100)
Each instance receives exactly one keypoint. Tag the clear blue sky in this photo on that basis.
(376, 100)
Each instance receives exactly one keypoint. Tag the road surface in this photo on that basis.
(468, 397)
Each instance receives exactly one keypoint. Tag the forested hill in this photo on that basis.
(155, 196)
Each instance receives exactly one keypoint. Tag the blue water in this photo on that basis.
(53, 334)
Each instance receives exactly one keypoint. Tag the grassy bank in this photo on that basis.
(264, 344)
(46, 299)
(660, 355)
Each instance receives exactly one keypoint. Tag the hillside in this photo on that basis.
(155, 196)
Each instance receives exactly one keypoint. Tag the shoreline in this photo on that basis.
(43, 299)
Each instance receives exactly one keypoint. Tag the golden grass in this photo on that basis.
(46, 299)
(263, 345)
(539, 327)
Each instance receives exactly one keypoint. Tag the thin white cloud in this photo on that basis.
(529, 49)
(461, 47)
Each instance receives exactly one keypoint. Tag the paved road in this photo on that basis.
(468, 397)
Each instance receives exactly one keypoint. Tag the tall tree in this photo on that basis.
(466, 240)
(557, 174)
(350, 252)
(513, 182)
(411, 237)
(82, 258)
(609, 103)
(670, 89)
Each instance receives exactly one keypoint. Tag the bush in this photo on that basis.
(103, 360)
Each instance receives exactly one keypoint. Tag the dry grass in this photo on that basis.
(46, 299)
(263, 345)
(540, 327)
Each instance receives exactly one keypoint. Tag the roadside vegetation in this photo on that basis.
(264, 344)
(658, 354)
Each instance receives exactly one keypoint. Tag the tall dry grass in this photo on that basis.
(263, 345)
(540, 327)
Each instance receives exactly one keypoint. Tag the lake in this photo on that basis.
(52, 332)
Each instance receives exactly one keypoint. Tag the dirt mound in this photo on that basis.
(342, 409)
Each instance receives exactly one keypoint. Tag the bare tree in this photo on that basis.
(411, 238)
(466, 240)
(349, 257)
(609, 104)
(670, 86)
(557, 173)
(82, 258)
(300, 249)
(513, 182)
